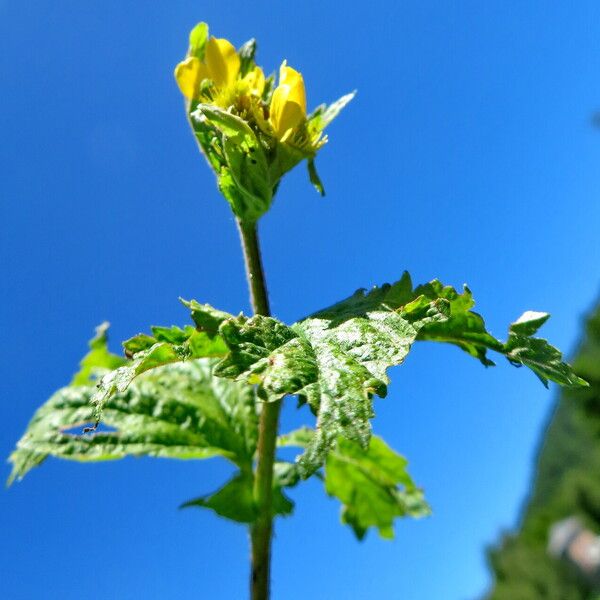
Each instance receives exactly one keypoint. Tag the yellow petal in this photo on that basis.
(189, 75)
(288, 103)
(256, 81)
(285, 114)
(294, 79)
(222, 61)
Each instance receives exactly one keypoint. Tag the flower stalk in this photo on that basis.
(261, 531)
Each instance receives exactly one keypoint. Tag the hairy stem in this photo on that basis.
(262, 529)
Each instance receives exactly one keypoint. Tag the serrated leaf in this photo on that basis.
(336, 359)
(206, 317)
(372, 483)
(542, 358)
(373, 486)
(169, 345)
(98, 359)
(466, 329)
(177, 411)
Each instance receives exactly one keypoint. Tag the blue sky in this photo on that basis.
(467, 155)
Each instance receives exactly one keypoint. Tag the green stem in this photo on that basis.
(262, 529)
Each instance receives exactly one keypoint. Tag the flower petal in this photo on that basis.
(285, 114)
(294, 79)
(222, 61)
(256, 81)
(189, 75)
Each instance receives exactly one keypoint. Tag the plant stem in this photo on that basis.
(262, 529)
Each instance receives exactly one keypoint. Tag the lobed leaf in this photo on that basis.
(335, 360)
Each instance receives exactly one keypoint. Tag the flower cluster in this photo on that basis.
(251, 130)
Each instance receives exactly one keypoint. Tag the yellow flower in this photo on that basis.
(221, 65)
(288, 103)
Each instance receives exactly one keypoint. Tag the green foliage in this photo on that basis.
(192, 392)
(176, 411)
(566, 484)
(466, 329)
(336, 360)
(98, 359)
(367, 482)
(167, 345)
(235, 500)
(372, 484)
(200, 391)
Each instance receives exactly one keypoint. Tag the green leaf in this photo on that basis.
(168, 345)
(198, 39)
(466, 329)
(98, 359)
(372, 483)
(542, 358)
(235, 500)
(373, 486)
(529, 322)
(206, 317)
(335, 360)
(177, 411)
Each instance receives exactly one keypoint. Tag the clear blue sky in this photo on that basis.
(467, 155)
